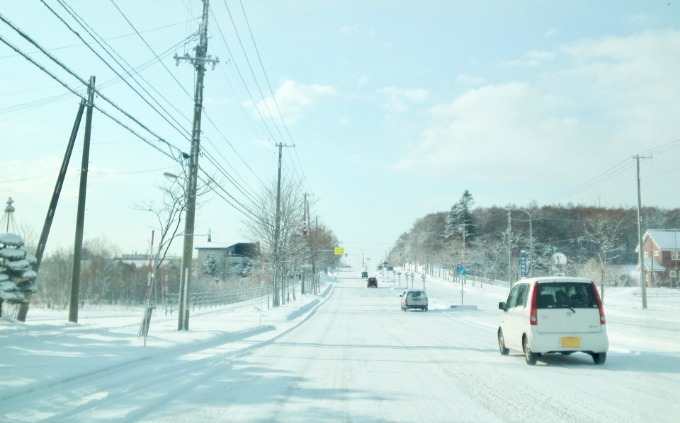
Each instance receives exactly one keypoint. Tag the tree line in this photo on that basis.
(291, 254)
(487, 241)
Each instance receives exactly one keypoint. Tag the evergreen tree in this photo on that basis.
(459, 217)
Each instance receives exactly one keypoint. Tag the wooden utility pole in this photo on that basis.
(49, 218)
(199, 62)
(80, 220)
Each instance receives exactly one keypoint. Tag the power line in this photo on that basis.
(105, 113)
(193, 36)
(82, 81)
(236, 184)
(88, 29)
(252, 72)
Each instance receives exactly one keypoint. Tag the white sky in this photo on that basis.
(349, 355)
(395, 108)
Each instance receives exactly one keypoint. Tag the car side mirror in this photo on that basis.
(501, 306)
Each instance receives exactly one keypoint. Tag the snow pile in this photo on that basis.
(17, 278)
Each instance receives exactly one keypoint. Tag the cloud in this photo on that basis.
(606, 100)
(481, 131)
(551, 32)
(470, 80)
(529, 60)
(293, 100)
(398, 99)
(349, 29)
(636, 79)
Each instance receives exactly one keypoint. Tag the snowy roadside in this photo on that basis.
(47, 350)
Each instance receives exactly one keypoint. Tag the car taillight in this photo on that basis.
(603, 321)
(533, 313)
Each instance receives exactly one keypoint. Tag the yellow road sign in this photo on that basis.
(339, 251)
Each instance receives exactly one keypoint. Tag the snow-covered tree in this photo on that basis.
(17, 277)
(460, 218)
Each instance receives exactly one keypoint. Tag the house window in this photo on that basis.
(672, 273)
(675, 255)
(656, 253)
(646, 254)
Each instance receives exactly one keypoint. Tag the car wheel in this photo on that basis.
(425, 308)
(501, 343)
(529, 356)
(599, 358)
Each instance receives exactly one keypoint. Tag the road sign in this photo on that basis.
(523, 263)
(339, 251)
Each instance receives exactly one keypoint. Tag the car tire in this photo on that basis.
(529, 356)
(599, 358)
(425, 308)
(501, 343)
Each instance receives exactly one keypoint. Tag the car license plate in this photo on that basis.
(571, 342)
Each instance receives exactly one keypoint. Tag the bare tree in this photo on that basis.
(605, 235)
(169, 214)
(278, 249)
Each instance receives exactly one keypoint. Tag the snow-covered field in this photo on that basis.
(348, 354)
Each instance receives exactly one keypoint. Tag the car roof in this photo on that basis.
(555, 279)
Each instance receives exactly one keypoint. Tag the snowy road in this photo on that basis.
(359, 358)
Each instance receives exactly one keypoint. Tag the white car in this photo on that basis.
(553, 315)
(414, 298)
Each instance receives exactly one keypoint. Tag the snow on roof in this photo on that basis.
(655, 264)
(213, 246)
(666, 239)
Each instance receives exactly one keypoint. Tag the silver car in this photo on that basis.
(414, 298)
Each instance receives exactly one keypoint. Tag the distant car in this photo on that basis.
(414, 298)
(553, 315)
(372, 282)
(364, 275)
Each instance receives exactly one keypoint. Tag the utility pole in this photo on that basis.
(305, 232)
(277, 232)
(23, 308)
(509, 249)
(80, 220)
(199, 62)
(643, 276)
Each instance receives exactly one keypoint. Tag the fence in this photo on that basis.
(202, 300)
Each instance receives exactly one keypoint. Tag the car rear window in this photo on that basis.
(416, 294)
(566, 295)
